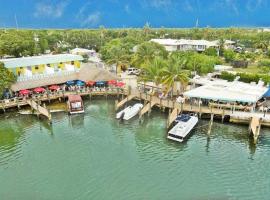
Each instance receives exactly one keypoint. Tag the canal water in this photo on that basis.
(93, 156)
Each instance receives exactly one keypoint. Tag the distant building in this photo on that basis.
(186, 45)
(229, 44)
(91, 53)
(34, 66)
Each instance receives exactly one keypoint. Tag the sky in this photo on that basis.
(133, 13)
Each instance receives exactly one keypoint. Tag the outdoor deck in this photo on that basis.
(18, 102)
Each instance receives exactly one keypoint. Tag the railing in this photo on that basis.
(20, 101)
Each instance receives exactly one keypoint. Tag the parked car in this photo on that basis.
(133, 71)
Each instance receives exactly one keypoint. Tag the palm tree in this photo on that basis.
(175, 72)
(147, 52)
(152, 71)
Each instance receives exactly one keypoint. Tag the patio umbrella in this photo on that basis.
(80, 83)
(24, 92)
(39, 90)
(69, 83)
(90, 83)
(54, 87)
(112, 82)
(120, 84)
(100, 83)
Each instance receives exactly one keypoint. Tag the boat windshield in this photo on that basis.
(183, 118)
(176, 136)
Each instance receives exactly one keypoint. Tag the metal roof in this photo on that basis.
(175, 42)
(228, 91)
(39, 60)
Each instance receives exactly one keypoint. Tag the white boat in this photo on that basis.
(184, 124)
(129, 111)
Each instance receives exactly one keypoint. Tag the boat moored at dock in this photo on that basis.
(184, 124)
(75, 104)
(129, 111)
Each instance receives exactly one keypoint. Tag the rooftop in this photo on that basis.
(82, 50)
(39, 60)
(88, 72)
(228, 91)
(173, 42)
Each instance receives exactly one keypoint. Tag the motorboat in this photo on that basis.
(184, 123)
(75, 104)
(129, 111)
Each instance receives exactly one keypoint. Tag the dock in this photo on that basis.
(146, 108)
(235, 116)
(150, 101)
(39, 109)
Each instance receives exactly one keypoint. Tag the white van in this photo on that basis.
(133, 71)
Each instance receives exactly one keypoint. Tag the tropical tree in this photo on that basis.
(6, 78)
(175, 72)
(147, 52)
(152, 70)
(229, 55)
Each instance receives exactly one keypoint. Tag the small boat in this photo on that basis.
(75, 104)
(129, 111)
(184, 123)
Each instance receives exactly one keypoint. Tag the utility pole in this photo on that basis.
(16, 21)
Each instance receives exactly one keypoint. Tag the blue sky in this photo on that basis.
(133, 13)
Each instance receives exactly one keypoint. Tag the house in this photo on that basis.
(91, 53)
(186, 45)
(42, 65)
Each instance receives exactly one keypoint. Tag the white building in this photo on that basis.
(91, 53)
(186, 45)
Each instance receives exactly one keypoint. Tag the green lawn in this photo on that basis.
(253, 69)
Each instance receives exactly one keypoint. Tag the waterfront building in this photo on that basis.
(191, 45)
(186, 45)
(35, 66)
(225, 92)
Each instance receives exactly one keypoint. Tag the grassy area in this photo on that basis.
(253, 69)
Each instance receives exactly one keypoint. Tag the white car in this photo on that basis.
(133, 71)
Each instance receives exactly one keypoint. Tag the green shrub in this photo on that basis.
(227, 76)
(264, 63)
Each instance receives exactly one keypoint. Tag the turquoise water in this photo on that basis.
(93, 156)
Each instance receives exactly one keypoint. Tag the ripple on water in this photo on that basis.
(95, 156)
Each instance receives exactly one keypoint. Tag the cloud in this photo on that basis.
(92, 19)
(157, 4)
(231, 4)
(46, 9)
(253, 5)
(126, 8)
(161, 3)
(87, 18)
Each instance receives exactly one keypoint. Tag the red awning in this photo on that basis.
(90, 83)
(112, 82)
(39, 90)
(54, 87)
(120, 84)
(24, 92)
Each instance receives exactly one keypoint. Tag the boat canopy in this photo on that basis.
(74, 98)
(235, 91)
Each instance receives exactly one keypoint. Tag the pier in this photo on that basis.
(150, 101)
(235, 116)
(39, 109)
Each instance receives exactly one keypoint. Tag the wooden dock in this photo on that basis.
(254, 127)
(235, 116)
(124, 101)
(39, 109)
(146, 108)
